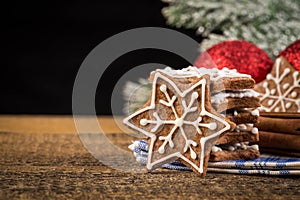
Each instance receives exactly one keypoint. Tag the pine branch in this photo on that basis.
(270, 24)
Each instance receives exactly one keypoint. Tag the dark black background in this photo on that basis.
(45, 42)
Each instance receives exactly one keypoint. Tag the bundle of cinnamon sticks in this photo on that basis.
(279, 133)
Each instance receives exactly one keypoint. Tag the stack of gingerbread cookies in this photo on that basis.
(232, 96)
(196, 115)
(279, 124)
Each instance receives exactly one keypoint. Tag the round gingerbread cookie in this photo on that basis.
(280, 91)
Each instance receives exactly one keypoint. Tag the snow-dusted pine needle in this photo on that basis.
(135, 95)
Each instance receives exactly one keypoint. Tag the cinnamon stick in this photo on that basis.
(280, 152)
(281, 141)
(280, 115)
(279, 125)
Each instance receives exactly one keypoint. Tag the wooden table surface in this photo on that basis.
(43, 157)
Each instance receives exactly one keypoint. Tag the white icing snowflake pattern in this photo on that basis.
(277, 99)
(180, 121)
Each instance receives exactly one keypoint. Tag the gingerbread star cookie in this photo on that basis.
(280, 92)
(179, 121)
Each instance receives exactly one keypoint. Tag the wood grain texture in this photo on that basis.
(56, 165)
(56, 124)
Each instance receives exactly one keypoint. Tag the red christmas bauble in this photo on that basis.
(243, 56)
(292, 54)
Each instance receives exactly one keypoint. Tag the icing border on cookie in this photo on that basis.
(214, 73)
